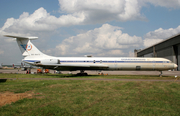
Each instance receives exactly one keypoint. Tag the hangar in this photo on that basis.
(169, 49)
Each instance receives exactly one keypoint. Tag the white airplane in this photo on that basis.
(34, 57)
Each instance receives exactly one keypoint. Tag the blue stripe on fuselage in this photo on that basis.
(75, 61)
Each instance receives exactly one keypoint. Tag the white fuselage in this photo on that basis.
(101, 63)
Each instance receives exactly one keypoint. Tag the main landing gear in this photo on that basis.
(82, 73)
(160, 74)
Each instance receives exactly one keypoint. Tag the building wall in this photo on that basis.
(178, 57)
(148, 55)
(169, 49)
(167, 53)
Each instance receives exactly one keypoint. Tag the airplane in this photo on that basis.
(35, 57)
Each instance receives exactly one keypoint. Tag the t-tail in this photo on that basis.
(26, 47)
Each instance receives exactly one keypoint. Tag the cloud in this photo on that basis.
(103, 10)
(9, 52)
(27, 22)
(150, 42)
(160, 34)
(1, 51)
(40, 20)
(100, 11)
(81, 12)
(131, 53)
(165, 3)
(107, 40)
(76, 12)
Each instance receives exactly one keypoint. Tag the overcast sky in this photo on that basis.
(86, 27)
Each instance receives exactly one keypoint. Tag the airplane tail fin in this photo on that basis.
(26, 47)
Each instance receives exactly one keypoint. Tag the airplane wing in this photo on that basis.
(74, 66)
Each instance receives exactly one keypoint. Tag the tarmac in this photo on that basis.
(164, 73)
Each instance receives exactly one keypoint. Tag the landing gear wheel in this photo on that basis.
(160, 74)
(82, 73)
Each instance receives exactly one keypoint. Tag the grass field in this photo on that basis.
(77, 97)
(89, 76)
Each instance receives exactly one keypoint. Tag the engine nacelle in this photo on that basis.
(50, 61)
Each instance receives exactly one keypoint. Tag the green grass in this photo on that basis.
(89, 76)
(77, 97)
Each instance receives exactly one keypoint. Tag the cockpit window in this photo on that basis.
(169, 61)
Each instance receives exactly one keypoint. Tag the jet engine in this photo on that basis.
(50, 61)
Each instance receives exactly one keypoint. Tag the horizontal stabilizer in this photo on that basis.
(18, 37)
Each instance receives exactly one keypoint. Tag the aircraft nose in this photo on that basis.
(175, 65)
